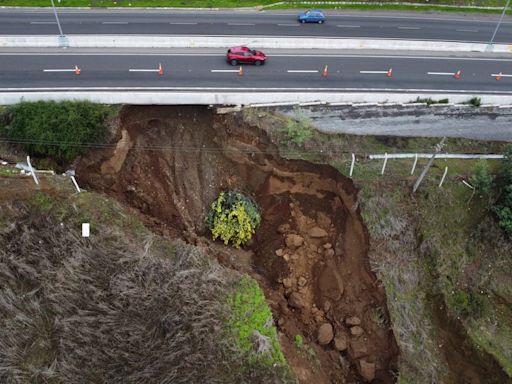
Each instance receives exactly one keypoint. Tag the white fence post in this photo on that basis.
(75, 184)
(444, 175)
(32, 170)
(384, 165)
(414, 164)
(352, 165)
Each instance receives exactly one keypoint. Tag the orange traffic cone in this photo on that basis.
(77, 70)
(390, 72)
(457, 74)
(241, 71)
(325, 72)
(160, 70)
(499, 76)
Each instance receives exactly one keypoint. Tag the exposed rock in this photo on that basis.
(367, 370)
(329, 252)
(286, 257)
(327, 305)
(357, 349)
(325, 334)
(340, 342)
(317, 232)
(323, 220)
(356, 331)
(330, 283)
(296, 300)
(279, 252)
(283, 228)
(260, 343)
(287, 282)
(327, 245)
(302, 281)
(354, 320)
(280, 322)
(294, 241)
(294, 257)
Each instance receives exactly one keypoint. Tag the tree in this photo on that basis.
(482, 179)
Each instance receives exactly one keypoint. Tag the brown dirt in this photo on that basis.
(171, 163)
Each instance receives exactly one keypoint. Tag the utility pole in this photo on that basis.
(499, 22)
(438, 149)
(63, 40)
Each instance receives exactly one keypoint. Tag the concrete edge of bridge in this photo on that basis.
(262, 42)
(256, 99)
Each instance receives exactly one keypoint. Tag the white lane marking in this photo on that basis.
(288, 25)
(500, 74)
(372, 72)
(467, 30)
(59, 70)
(224, 70)
(183, 23)
(143, 70)
(114, 22)
(348, 26)
(43, 22)
(235, 89)
(409, 28)
(301, 71)
(240, 24)
(441, 73)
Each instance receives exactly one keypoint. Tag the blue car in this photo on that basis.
(312, 16)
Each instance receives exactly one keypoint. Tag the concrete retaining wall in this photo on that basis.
(236, 98)
(170, 41)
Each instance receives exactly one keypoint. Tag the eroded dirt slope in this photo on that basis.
(309, 254)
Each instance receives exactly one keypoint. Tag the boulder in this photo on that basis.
(340, 342)
(354, 320)
(260, 343)
(327, 245)
(367, 370)
(356, 331)
(329, 252)
(317, 232)
(283, 228)
(287, 282)
(325, 334)
(279, 252)
(302, 281)
(357, 349)
(294, 241)
(296, 300)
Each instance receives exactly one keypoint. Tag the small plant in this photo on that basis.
(429, 101)
(482, 179)
(474, 101)
(233, 217)
(504, 210)
(298, 129)
(299, 341)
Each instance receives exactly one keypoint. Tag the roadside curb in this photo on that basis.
(262, 42)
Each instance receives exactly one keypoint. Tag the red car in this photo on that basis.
(244, 55)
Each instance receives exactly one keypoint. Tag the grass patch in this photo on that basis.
(250, 314)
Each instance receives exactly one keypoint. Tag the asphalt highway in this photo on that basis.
(250, 23)
(284, 71)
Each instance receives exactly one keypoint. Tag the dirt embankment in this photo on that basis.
(309, 254)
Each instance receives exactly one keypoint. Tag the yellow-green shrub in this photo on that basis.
(233, 217)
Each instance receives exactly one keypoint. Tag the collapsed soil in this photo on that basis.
(309, 254)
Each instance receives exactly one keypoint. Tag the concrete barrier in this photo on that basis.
(263, 42)
(239, 98)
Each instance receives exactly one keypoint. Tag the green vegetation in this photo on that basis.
(61, 130)
(503, 208)
(406, 5)
(474, 101)
(299, 129)
(251, 317)
(429, 101)
(233, 217)
(298, 341)
(482, 179)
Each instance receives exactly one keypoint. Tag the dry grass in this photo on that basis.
(111, 310)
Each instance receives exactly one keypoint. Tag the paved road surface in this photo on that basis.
(270, 23)
(196, 69)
